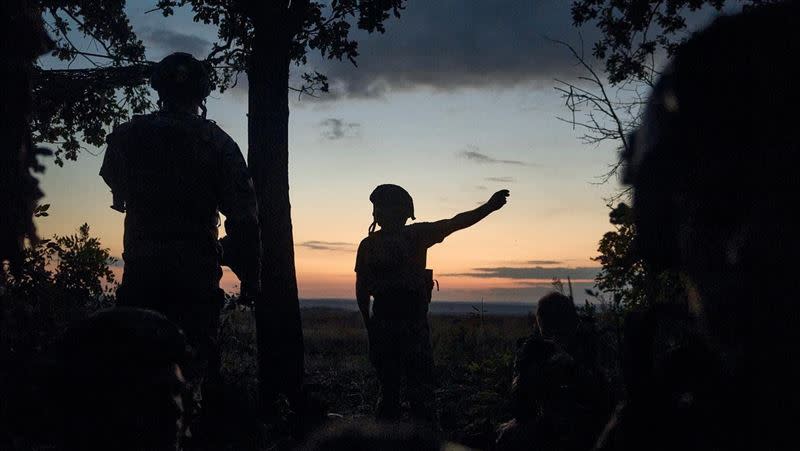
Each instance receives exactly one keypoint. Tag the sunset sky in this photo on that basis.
(454, 102)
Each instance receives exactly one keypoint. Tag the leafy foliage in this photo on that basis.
(306, 25)
(59, 280)
(75, 106)
(627, 278)
(633, 31)
(622, 274)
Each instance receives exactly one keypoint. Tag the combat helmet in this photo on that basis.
(180, 76)
(392, 196)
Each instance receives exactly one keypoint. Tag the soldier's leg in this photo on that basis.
(419, 368)
(388, 368)
(388, 406)
(195, 304)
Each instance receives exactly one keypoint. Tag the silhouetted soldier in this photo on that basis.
(559, 400)
(118, 383)
(714, 175)
(557, 318)
(534, 381)
(390, 268)
(172, 172)
(558, 321)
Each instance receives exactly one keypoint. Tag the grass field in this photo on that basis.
(473, 357)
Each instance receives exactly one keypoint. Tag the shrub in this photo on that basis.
(58, 281)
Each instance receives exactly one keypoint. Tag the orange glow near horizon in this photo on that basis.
(328, 273)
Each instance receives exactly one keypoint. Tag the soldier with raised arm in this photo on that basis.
(391, 277)
(172, 173)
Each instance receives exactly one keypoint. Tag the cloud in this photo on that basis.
(334, 246)
(501, 179)
(544, 262)
(528, 273)
(537, 290)
(333, 129)
(454, 44)
(481, 187)
(174, 41)
(521, 292)
(473, 154)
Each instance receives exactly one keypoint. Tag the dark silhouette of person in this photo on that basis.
(118, 383)
(173, 172)
(559, 399)
(557, 318)
(713, 170)
(534, 381)
(391, 275)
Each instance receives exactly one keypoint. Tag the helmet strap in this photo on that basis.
(372, 227)
(203, 109)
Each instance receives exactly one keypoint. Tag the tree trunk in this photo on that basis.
(22, 40)
(280, 335)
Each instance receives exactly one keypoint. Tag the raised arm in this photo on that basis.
(472, 217)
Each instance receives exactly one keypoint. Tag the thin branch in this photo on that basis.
(111, 57)
(87, 32)
(62, 31)
(336, 15)
(601, 101)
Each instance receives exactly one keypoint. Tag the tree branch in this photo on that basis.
(600, 101)
(86, 31)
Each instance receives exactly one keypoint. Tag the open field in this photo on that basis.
(473, 358)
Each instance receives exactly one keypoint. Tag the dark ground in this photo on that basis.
(473, 356)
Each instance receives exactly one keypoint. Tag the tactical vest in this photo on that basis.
(396, 276)
(171, 171)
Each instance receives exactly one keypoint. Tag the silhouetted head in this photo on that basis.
(391, 206)
(182, 82)
(367, 435)
(119, 382)
(557, 317)
(714, 170)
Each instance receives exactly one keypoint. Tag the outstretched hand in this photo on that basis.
(498, 199)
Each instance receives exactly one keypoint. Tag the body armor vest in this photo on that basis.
(172, 165)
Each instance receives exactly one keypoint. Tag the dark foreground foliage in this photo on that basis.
(474, 360)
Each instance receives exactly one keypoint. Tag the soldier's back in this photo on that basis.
(171, 174)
